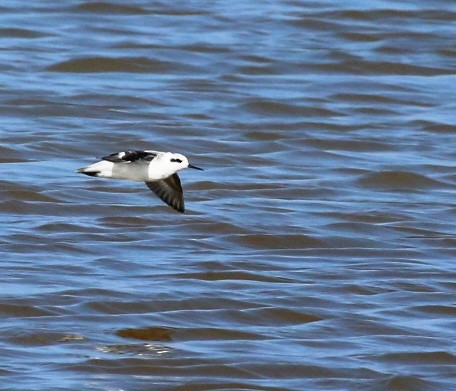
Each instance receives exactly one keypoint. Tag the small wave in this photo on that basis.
(279, 241)
(234, 275)
(146, 349)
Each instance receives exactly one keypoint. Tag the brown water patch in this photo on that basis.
(264, 136)
(121, 64)
(206, 48)
(42, 337)
(281, 316)
(274, 108)
(390, 14)
(360, 37)
(205, 333)
(109, 8)
(147, 334)
(440, 310)
(20, 33)
(226, 386)
(362, 290)
(405, 383)
(10, 155)
(378, 99)
(398, 180)
(124, 221)
(420, 358)
(436, 127)
(23, 310)
(257, 70)
(360, 66)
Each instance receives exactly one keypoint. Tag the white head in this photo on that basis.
(177, 162)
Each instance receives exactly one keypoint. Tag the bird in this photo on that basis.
(157, 169)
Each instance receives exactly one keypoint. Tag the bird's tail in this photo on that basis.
(101, 168)
(88, 171)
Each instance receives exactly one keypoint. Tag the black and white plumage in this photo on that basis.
(157, 169)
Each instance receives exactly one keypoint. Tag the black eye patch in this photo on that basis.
(176, 160)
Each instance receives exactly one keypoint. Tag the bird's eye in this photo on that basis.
(176, 160)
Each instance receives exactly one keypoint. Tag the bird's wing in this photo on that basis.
(130, 156)
(170, 191)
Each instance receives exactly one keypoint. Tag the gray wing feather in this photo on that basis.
(170, 191)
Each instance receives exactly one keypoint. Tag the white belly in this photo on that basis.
(135, 171)
(132, 171)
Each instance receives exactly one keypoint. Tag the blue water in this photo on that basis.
(317, 248)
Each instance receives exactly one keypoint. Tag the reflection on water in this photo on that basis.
(317, 247)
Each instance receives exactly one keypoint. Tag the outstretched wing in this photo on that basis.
(170, 191)
(130, 156)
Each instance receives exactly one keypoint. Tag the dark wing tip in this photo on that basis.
(170, 191)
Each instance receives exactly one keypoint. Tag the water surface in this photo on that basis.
(317, 250)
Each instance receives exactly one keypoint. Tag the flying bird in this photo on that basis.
(157, 169)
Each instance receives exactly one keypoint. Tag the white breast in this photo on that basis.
(160, 168)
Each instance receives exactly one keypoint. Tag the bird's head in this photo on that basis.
(179, 162)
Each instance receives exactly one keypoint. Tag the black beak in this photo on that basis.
(196, 168)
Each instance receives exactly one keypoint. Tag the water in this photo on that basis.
(318, 246)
